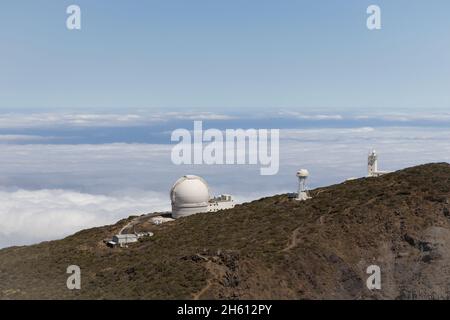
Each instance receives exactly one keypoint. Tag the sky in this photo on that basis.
(224, 55)
(86, 116)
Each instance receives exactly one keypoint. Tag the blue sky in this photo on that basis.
(224, 55)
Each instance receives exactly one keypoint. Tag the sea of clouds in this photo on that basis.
(51, 190)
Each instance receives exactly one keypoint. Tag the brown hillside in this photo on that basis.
(272, 248)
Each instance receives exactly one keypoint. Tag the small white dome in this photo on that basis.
(302, 173)
(189, 195)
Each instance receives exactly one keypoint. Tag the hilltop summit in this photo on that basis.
(272, 248)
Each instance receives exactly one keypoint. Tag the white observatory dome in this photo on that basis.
(189, 195)
(302, 173)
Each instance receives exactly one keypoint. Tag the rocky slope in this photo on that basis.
(272, 248)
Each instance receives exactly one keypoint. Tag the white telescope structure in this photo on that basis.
(190, 195)
(372, 165)
(302, 194)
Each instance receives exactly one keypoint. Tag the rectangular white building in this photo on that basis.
(222, 202)
(123, 239)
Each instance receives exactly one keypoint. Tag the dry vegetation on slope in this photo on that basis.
(271, 248)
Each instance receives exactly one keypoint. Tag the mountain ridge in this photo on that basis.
(271, 248)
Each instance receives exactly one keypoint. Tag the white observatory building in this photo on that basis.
(303, 193)
(190, 195)
(372, 165)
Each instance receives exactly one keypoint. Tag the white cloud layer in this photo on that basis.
(400, 117)
(16, 138)
(102, 120)
(32, 216)
(49, 191)
(55, 120)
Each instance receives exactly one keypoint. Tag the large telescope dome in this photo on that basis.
(189, 195)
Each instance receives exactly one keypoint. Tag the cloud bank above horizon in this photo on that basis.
(51, 190)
